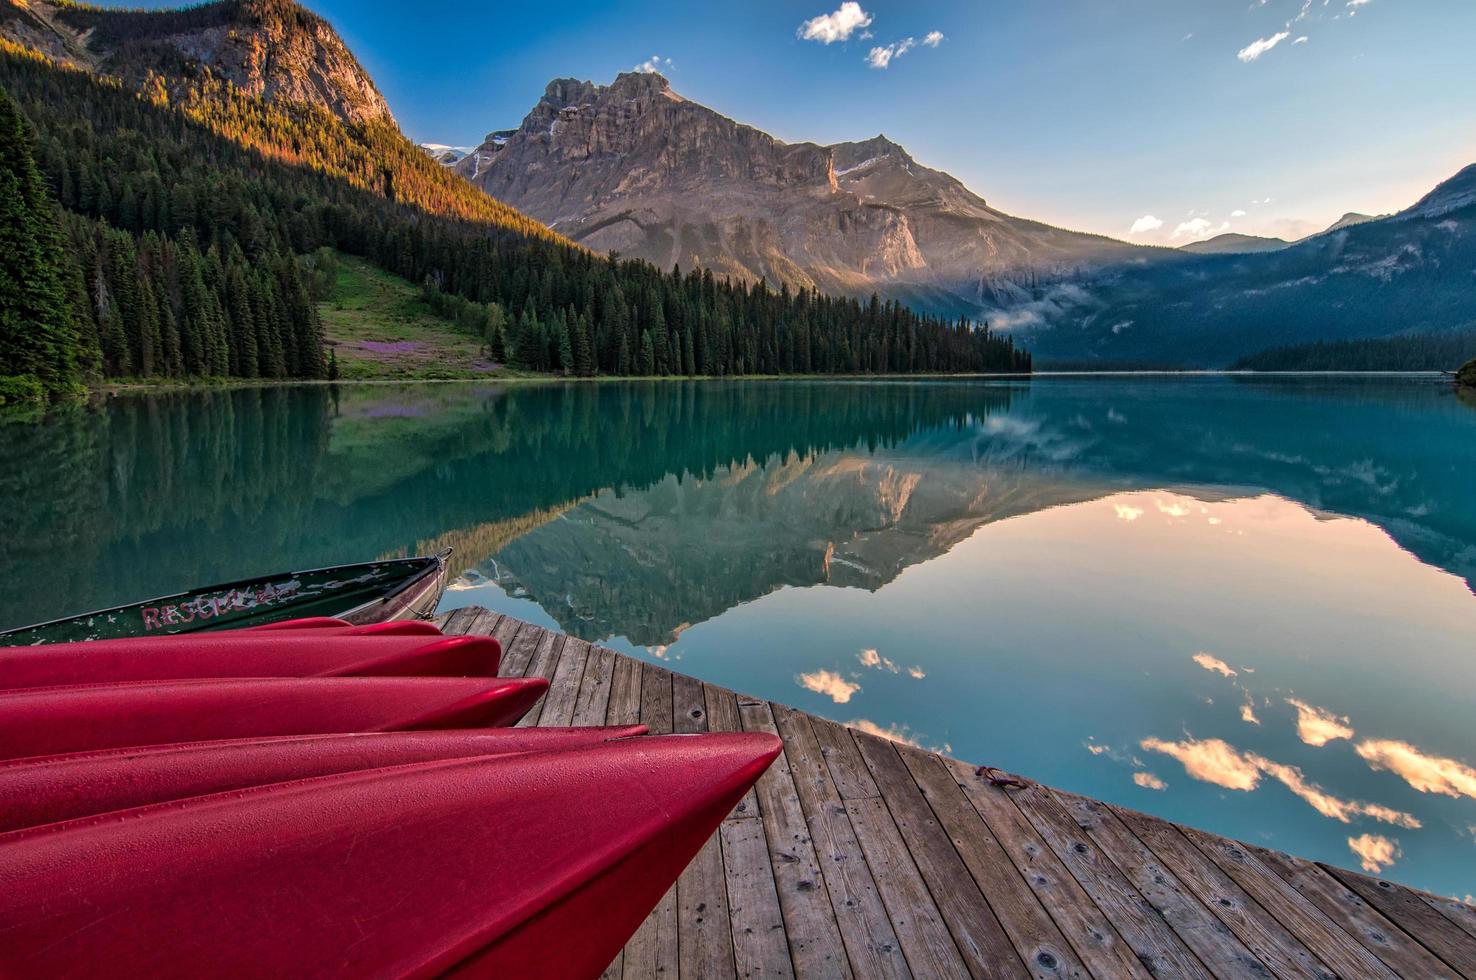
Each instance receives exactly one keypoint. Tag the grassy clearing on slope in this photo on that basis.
(380, 329)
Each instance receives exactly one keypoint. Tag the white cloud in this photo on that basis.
(1126, 513)
(892, 733)
(828, 683)
(1213, 760)
(653, 64)
(882, 57)
(1256, 48)
(1210, 662)
(1198, 228)
(1318, 726)
(838, 25)
(1237, 213)
(1301, 40)
(1426, 773)
(1149, 781)
(870, 658)
(1146, 223)
(1374, 852)
(933, 38)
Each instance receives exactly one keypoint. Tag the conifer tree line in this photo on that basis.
(182, 213)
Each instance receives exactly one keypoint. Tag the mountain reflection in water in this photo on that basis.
(1245, 605)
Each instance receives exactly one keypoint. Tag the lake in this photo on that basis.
(1239, 603)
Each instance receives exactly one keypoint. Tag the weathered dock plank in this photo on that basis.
(859, 857)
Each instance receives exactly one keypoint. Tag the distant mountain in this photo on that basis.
(274, 49)
(1407, 273)
(634, 167)
(1231, 243)
(1350, 219)
(446, 155)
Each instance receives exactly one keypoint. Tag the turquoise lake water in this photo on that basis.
(1242, 604)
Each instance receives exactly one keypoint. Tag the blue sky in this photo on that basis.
(1091, 114)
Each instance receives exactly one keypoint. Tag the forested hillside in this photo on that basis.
(1414, 352)
(185, 208)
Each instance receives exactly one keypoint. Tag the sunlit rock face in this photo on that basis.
(274, 49)
(636, 168)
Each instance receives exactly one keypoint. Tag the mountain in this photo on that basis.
(198, 160)
(1231, 243)
(446, 155)
(635, 168)
(1349, 220)
(272, 49)
(1407, 273)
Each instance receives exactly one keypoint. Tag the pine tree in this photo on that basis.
(648, 354)
(38, 334)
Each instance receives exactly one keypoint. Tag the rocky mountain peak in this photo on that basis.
(851, 154)
(634, 167)
(273, 49)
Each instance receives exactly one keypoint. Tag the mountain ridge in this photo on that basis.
(273, 49)
(637, 168)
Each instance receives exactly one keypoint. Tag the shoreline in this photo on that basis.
(203, 384)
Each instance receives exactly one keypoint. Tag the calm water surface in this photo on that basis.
(1242, 604)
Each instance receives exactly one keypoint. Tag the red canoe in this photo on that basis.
(65, 787)
(50, 720)
(292, 653)
(327, 624)
(504, 866)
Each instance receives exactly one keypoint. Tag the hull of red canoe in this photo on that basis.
(328, 625)
(51, 720)
(507, 866)
(288, 653)
(67, 787)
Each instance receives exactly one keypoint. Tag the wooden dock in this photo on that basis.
(859, 857)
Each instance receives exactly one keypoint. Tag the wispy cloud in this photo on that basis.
(1426, 773)
(1213, 663)
(1198, 228)
(654, 64)
(1301, 40)
(1375, 853)
(933, 38)
(828, 683)
(1318, 726)
(1215, 761)
(1126, 513)
(1146, 223)
(1256, 48)
(1237, 213)
(870, 658)
(838, 25)
(1149, 781)
(883, 56)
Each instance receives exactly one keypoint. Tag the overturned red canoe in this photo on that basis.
(505, 866)
(45, 790)
(291, 653)
(327, 624)
(50, 720)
